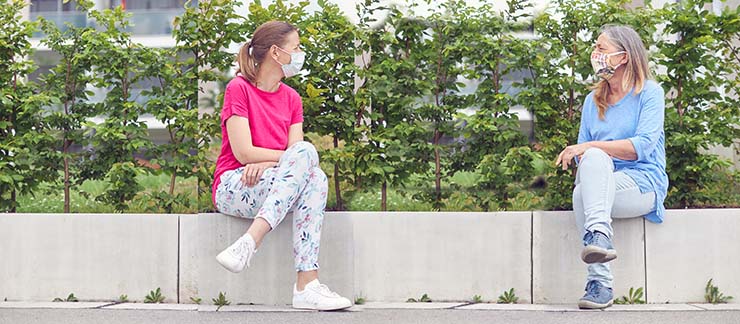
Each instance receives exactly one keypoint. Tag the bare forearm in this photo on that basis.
(621, 149)
(255, 154)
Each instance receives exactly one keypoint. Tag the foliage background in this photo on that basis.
(413, 112)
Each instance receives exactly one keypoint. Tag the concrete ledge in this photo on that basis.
(559, 274)
(688, 249)
(387, 257)
(449, 256)
(94, 256)
(272, 275)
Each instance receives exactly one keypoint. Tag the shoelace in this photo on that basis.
(588, 238)
(591, 238)
(592, 289)
(241, 250)
(324, 289)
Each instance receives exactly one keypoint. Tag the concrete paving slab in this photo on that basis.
(251, 308)
(54, 305)
(503, 307)
(382, 305)
(653, 308)
(142, 306)
(718, 307)
(524, 307)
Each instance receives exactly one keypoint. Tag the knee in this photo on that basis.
(319, 178)
(307, 151)
(594, 155)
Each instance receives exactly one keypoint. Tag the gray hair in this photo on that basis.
(636, 70)
(626, 39)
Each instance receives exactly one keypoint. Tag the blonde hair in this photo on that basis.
(253, 52)
(636, 71)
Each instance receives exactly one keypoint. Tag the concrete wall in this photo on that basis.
(96, 257)
(559, 274)
(270, 278)
(378, 256)
(449, 256)
(688, 249)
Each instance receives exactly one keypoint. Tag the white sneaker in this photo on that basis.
(237, 256)
(318, 297)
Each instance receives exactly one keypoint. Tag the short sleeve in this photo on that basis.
(296, 110)
(236, 100)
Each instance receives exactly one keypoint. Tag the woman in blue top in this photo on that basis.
(620, 154)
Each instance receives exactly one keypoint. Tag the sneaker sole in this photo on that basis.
(326, 308)
(592, 254)
(586, 304)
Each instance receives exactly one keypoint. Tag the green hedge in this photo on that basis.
(406, 130)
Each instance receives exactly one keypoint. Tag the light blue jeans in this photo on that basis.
(602, 194)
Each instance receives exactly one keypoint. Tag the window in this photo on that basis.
(52, 6)
(149, 4)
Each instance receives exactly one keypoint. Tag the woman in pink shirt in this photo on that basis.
(265, 169)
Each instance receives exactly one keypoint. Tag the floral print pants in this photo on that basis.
(295, 185)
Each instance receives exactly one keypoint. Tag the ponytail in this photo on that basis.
(247, 64)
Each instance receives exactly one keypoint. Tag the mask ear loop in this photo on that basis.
(607, 56)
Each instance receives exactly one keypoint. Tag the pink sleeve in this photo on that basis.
(297, 111)
(235, 101)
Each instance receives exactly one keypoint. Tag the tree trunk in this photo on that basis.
(437, 168)
(174, 174)
(12, 200)
(66, 179)
(172, 183)
(337, 190)
(384, 196)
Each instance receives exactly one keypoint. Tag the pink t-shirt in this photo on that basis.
(270, 116)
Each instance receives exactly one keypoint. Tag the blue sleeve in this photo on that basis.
(583, 134)
(649, 123)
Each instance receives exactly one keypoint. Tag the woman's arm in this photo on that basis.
(620, 149)
(240, 137)
(295, 134)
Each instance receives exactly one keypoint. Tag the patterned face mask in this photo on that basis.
(600, 63)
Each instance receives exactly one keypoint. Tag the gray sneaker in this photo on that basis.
(598, 248)
(597, 296)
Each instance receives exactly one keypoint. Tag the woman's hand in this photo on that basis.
(571, 151)
(253, 172)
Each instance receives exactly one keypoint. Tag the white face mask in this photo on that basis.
(295, 65)
(600, 63)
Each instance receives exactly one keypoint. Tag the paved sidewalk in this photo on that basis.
(397, 313)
